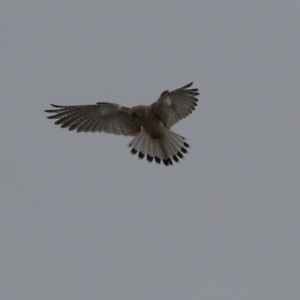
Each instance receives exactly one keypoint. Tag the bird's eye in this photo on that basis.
(138, 113)
(134, 116)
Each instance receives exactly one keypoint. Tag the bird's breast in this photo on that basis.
(153, 126)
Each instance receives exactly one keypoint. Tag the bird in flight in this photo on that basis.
(150, 125)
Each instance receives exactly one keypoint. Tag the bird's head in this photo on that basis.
(136, 112)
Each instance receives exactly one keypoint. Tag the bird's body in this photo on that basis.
(149, 124)
(148, 121)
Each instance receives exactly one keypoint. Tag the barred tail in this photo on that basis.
(170, 146)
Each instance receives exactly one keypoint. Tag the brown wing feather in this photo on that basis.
(173, 106)
(106, 117)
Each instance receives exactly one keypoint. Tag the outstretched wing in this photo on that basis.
(103, 116)
(173, 106)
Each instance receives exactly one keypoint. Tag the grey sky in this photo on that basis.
(81, 218)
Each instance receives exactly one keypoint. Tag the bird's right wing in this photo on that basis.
(103, 116)
(173, 106)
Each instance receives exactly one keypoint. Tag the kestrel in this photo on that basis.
(150, 125)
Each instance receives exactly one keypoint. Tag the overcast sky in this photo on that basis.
(82, 218)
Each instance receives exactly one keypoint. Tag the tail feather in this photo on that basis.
(165, 152)
(136, 143)
(167, 149)
(146, 145)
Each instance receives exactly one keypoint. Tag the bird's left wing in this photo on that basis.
(173, 106)
(103, 116)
